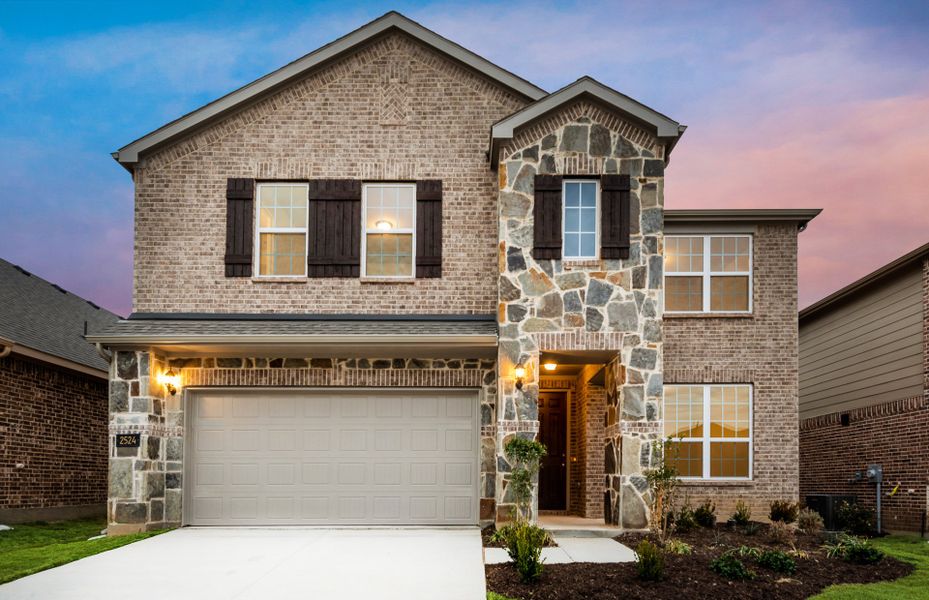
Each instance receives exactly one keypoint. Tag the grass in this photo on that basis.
(496, 596)
(916, 585)
(33, 547)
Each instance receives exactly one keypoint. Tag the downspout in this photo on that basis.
(107, 356)
(6, 346)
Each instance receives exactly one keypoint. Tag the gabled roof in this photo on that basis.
(802, 216)
(664, 128)
(129, 154)
(873, 277)
(39, 317)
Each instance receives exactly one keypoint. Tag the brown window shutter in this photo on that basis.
(240, 215)
(546, 213)
(614, 216)
(429, 228)
(334, 220)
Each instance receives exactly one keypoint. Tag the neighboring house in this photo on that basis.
(351, 288)
(864, 380)
(53, 401)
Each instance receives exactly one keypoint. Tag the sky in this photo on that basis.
(788, 104)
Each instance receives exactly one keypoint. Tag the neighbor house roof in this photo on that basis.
(664, 128)
(880, 274)
(129, 154)
(42, 320)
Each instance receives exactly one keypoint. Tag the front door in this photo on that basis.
(553, 408)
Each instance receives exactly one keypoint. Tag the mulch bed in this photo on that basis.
(690, 576)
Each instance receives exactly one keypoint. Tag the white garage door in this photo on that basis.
(319, 457)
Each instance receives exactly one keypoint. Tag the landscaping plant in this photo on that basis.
(853, 549)
(524, 542)
(524, 456)
(751, 528)
(809, 521)
(854, 518)
(784, 511)
(662, 480)
(748, 552)
(781, 532)
(685, 520)
(679, 547)
(705, 515)
(730, 567)
(742, 514)
(777, 561)
(649, 561)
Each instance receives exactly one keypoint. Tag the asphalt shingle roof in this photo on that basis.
(44, 317)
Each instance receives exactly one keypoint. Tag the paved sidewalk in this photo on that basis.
(246, 564)
(573, 549)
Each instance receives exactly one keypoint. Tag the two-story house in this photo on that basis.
(358, 276)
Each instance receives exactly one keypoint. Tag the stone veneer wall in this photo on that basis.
(760, 349)
(146, 484)
(581, 305)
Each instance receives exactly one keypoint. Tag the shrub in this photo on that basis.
(705, 515)
(524, 543)
(649, 561)
(854, 518)
(742, 514)
(781, 532)
(748, 552)
(679, 547)
(524, 456)
(778, 561)
(751, 528)
(662, 480)
(685, 520)
(809, 521)
(730, 567)
(784, 511)
(853, 549)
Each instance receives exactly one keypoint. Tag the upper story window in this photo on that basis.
(581, 210)
(708, 273)
(712, 430)
(282, 229)
(389, 218)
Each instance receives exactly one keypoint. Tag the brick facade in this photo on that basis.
(760, 349)
(53, 424)
(893, 434)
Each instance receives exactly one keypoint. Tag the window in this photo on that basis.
(282, 231)
(712, 430)
(580, 219)
(389, 214)
(709, 273)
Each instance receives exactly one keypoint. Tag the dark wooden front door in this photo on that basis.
(553, 408)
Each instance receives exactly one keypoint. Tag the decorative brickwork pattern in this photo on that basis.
(52, 437)
(761, 350)
(894, 435)
(587, 442)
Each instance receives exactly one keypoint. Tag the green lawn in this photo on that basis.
(34, 547)
(916, 585)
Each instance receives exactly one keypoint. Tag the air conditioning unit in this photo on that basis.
(827, 505)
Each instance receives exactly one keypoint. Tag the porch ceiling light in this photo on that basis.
(550, 365)
(520, 372)
(384, 225)
(170, 380)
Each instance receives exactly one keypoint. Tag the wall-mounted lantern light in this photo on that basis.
(170, 380)
(520, 372)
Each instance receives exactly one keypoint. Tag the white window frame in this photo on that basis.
(365, 231)
(564, 211)
(707, 274)
(707, 438)
(305, 230)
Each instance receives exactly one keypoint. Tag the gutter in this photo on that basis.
(413, 340)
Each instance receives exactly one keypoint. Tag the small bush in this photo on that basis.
(809, 521)
(778, 561)
(730, 567)
(705, 515)
(742, 514)
(853, 549)
(748, 552)
(679, 547)
(649, 561)
(781, 532)
(854, 518)
(685, 520)
(524, 543)
(784, 511)
(751, 528)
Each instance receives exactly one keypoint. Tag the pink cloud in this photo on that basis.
(863, 162)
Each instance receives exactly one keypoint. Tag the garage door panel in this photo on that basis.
(318, 457)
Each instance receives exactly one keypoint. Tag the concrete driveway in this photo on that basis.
(207, 563)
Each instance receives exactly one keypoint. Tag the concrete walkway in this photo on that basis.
(244, 564)
(573, 549)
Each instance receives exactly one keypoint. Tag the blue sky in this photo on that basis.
(789, 104)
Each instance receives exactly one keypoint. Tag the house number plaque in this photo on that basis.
(128, 440)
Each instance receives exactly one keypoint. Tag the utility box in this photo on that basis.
(827, 505)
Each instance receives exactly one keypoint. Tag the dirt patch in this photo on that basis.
(691, 575)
